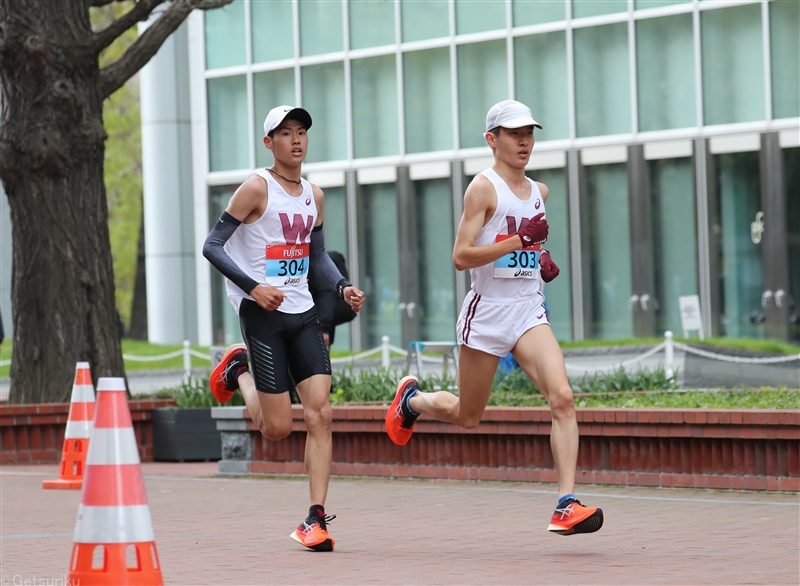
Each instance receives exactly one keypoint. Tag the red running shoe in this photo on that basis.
(572, 517)
(224, 378)
(399, 419)
(313, 532)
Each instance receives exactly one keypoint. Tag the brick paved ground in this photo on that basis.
(235, 531)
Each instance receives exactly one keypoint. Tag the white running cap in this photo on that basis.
(277, 115)
(510, 114)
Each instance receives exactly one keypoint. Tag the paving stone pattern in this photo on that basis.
(236, 531)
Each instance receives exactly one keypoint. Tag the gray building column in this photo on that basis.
(708, 230)
(168, 197)
(642, 273)
(462, 280)
(776, 249)
(6, 256)
(358, 331)
(579, 248)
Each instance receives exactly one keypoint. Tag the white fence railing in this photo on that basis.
(385, 350)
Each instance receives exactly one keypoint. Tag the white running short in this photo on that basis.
(495, 325)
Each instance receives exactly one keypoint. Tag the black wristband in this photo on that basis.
(341, 286)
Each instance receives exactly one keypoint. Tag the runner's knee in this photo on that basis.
(561, 400)
(317, 418)
(275, 431)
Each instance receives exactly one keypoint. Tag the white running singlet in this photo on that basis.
(274, 250)
(515, 275)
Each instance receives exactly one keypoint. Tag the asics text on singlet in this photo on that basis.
(274, 250)
(516, 274)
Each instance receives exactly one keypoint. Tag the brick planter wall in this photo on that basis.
(696, 448)
(35, 433)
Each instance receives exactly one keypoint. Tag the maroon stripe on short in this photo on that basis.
(473, 306)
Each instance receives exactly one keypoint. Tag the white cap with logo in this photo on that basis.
(510, 114)
(277, 115)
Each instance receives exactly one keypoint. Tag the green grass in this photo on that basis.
(742, 343)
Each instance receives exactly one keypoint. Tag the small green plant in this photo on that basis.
(196, 393)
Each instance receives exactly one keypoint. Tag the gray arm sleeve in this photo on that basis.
(323, 264)
(215, 253)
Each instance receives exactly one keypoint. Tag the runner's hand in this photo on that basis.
(270, 298)
(534, 232)
(354, 297)
(549, 269)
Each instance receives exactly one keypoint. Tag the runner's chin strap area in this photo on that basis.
(214, 251)
(323, 263)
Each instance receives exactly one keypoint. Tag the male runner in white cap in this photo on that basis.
(264, 243)
(499, 239)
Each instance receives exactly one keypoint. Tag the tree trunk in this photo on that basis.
(51, 164)
(138, 328)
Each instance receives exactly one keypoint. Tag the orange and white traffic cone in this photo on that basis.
(79, 430)
(114, 540)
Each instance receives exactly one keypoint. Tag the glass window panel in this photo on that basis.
(733, 65)
(602, 83)
(375, 124)
(785, 58)
(336, 240)
(371, 23)
(644, 4)
(224, 28)
(381, 281)
(224, 320)
(583, 8)
(538, 11)
(434, 210)
(272, 30)
(540, 63)
(323, 97)
(427, 103)
(610, 253)
(791, 171)
(270, 89)
(740, 267)
(665, 72)
(320, 27)
(558, 293)
(429, 19)
(482, 82)
(674, 238)
(475, 16)
(228, 141)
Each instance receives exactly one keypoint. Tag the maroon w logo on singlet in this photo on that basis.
(296, 232)
(512, 224)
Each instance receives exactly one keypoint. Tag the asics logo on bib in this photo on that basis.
(521, 273)
(292, 281)
(297, 230)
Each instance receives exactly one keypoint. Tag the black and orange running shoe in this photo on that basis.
(400, 419)
(224, 378)
(571, 517)
(313, 532)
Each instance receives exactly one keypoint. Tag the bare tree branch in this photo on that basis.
(141, 11)
(116, 74)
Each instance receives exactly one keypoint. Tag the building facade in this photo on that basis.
(671, 147)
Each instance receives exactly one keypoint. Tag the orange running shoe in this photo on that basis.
(400, 419)
(224, 378)
(313, 532)
(572, 517)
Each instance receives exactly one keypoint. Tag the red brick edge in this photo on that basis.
(702, 448)
(34, 433)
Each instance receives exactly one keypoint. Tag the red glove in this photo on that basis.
(534, 232)
(549, 270)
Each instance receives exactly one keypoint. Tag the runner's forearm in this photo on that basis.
(214, 251)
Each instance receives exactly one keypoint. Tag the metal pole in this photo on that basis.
(385, 356)
(668, 353)
(187, 362)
